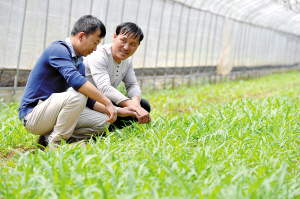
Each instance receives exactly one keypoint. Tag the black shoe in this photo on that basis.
(41, 142)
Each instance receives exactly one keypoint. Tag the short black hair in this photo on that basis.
(127, 28)
(88, 24)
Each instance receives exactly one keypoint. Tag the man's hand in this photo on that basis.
(143, 116)
(111, 112)
(127, 111)
(92, 92)
(138, 112)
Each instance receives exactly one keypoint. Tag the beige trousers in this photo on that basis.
(65, 115)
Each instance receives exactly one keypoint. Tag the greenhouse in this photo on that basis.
(208, 109)
(186, 42)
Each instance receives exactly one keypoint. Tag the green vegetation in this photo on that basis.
(232, 140)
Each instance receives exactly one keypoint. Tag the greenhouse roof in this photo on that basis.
(280, 15)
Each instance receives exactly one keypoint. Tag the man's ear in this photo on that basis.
(115, 35)
(80, 35)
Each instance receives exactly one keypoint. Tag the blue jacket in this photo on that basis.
(54, 72)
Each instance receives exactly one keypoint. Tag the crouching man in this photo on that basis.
(111, 64)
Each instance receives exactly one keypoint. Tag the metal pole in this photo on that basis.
(185, 43)
(286, 49)
(258, 49)
(262, 46)
(239, 54)
(240, 45)
(244, 57)
(296, 48)
(136, 18)
(282, 48)
(233, 49)
(257, 54)
(123, 6)
(269, 47)
(259, 44)
(290, 47)
(194, 46)
(253, 45)
(254, 57)
(221, 46)
(275, 53)
(158, 43)
(244, 48)
(295, 51)
(250, 44)
(279, 48)
(138, 10)
(280, 54)
(292, 50)
(145, 49)
(273, 45)
(20, 48)
(207, 47)
(213, 47)
(91, 8)
(236, 45)
(285, 52)
(176, 49)
(247, 45)
(70, 13)
(265, 47)
(107, 6)
(46, 25)
(201, 41)
(168, 42)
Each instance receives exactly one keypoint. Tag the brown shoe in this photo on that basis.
(41, 142)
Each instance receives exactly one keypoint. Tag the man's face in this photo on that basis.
(89, 43)
(124, 46)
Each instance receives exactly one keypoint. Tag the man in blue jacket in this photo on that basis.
(58, 101)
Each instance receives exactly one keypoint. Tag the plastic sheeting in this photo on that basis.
(178, 33)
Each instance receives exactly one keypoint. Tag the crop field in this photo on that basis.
(231, 140)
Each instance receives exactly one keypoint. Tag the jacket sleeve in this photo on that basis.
(60, 58)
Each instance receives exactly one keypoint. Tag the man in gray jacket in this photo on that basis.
(111, 64)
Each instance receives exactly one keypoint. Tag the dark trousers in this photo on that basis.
(121, 122)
